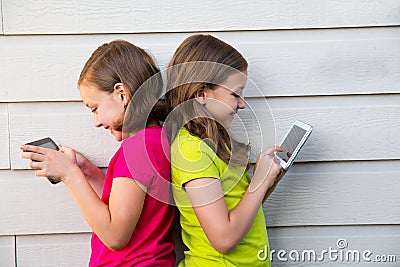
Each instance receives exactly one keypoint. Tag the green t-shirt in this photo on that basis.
(192, 158)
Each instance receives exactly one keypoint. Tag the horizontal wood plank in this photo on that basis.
(53, 250)
(334, 65)
(32, 205)
(69, 124)
(65, 249)
(4, 138)
(123, 16)
(7, 251)
(343, 246)
(336, 194)
(73, 249)
(345, 193)
(281, 63)
(345, 128)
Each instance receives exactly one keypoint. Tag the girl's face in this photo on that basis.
(107, 108)
(224, 100)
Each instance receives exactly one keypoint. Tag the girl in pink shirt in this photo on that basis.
(127, 208)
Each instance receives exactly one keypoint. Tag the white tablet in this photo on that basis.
(292, 143)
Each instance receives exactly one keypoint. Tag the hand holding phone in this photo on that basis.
(292, 143)
(46, 143)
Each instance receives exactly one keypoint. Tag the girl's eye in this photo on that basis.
(235, 95)
(94, 110)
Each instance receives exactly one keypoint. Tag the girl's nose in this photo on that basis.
(97, 122)
(241, 103)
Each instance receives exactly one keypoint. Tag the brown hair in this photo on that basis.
(123, 62)
(200, 62)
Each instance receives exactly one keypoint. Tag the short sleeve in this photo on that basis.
(120, 168)
(192, 159)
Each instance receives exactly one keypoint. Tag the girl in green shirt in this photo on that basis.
(220, 208)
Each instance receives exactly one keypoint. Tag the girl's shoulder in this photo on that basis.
(150, 143)
(185, 136)
(147, 153)
(185, 139)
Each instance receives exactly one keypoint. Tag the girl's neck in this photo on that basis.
(152, 123)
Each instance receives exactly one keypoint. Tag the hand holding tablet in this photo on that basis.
(46, 143)
(292, 142)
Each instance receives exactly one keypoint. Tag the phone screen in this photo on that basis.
(291, 141)
(49, 145)
(45, 142)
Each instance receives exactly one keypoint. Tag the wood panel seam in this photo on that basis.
(15, 251)
(9, 135)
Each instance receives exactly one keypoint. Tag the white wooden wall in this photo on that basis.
(334, 64)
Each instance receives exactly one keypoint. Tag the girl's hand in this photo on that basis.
(50, 162)
(93, 174)
(267, 170)
(82, 162)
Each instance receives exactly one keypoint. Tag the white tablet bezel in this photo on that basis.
(308, 128)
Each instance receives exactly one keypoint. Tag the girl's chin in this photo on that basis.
(227, 125)
(117, 135)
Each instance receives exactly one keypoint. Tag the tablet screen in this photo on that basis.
(291, 141)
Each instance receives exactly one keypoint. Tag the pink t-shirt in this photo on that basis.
(145, 158)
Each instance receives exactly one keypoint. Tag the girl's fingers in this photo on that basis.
(270, 150)
(35, 165)
(64, 149)
(32, 156)
(36, 149)
(40, 173)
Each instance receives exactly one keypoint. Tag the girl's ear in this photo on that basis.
(200, 97)
(120, 91)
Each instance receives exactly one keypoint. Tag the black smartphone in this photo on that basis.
(46, 143)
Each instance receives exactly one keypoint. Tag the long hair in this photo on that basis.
(123, 62)
(203, 62)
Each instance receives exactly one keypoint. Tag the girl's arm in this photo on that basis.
(271, 189)
(223, 228)
(113, 224)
